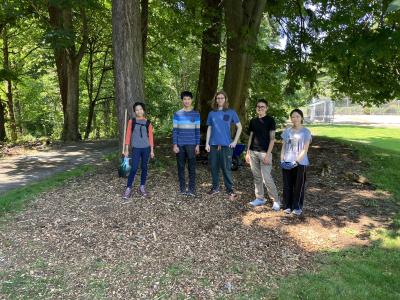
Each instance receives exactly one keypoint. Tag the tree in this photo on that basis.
(144, 16)
(68, 60)
(8, 85)
(242, 21)
(128, 57)
(358, 42)
(3, 136)
(210, 55)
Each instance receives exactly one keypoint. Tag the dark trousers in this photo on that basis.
(139, 154)
(293, 187)
(187, 153)
(220, 157)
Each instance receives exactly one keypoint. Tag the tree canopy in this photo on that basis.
(70, 68)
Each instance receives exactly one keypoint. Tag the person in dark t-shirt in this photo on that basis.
(259, 155)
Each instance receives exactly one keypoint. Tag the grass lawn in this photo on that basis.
(14, 200)
(359, 273)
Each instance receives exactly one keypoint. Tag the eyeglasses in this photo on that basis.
(261, 106)
(220, 98)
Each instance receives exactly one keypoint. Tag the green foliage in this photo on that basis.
(359, 44)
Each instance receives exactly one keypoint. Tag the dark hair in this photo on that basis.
(262, 101)
(186, 94)
(299, 112)
(139, 104)
(214, 103)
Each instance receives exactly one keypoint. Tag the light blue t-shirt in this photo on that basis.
(294, 144)
(220, 122)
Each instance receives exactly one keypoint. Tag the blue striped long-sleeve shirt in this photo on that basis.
(186, 128)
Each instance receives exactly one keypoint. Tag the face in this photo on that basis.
(187, 102)
(220, 100)
(261, 108)
(139, 112)
(296, 118)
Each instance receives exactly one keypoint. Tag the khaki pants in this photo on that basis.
(262, 175)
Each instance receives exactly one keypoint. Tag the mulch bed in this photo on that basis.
(79, 241)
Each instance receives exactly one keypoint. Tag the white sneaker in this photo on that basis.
(297, 212)
(276, 206)
(287, 211)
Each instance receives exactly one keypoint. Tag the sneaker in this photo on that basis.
(142, 191)
(127, 194)
(276, 206)
(297, 212)
(257, 202)
(191, 194)
(232, 196)
(287, 211)
(213, 191)
(183, 193)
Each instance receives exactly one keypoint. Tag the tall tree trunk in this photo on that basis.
(144, 24)
(60, 56)
(8, 87)
(90, 84)
(68, 68)
(209, 66)
(72, 110)
(242, 20)
(128, 58)
(3, 135)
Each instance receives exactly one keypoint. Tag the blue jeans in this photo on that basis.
(138, 154)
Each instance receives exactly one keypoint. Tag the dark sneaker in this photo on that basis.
(213, 191)
(232, 195)
(142, 191)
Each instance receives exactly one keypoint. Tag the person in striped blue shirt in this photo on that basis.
(186, 142)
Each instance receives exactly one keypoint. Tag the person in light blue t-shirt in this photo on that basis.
(294, 162)
(219, 142)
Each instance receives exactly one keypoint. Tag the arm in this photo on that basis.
(248, 147)
(208, 138)
(151, 141)
(128, 138)
(303, 152)
(197, 133)
(237, 135)
(175, 147)
(283, 150)
(270, 147)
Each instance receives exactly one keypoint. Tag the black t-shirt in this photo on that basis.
(261, 128)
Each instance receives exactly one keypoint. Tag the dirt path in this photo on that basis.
(80, 242)
(17, 171)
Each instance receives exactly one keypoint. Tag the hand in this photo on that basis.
(126, 153)
(232, 145)
(176, 149)
(152, 154)
(197, 149)
(248, 157)
(266, 160)
(208, 148)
